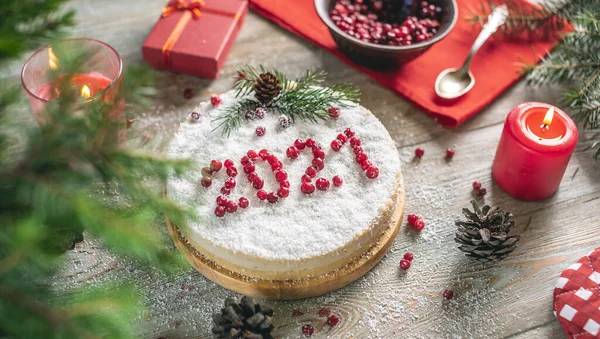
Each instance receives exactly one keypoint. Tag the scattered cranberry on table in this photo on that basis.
(419, 152)
(404, 264)
(408, 256)
(333, 320)
(416, 222)
(449, 153)
(387, 22)
(478, 190)
(308, 330)
(448, 294)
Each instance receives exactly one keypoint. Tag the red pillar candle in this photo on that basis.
(534, 150)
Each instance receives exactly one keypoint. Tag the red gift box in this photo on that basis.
(194, 36)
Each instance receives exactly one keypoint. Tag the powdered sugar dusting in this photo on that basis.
(300, 226)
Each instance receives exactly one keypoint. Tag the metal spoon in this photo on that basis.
(453, 82)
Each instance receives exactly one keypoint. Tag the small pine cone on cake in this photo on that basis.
(246, 320)
(266, 88)
(484, 236)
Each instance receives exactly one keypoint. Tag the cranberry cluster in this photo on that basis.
(223, 203)
(322, 184)
(387, 22)
(406, 260)
(416, 222)
(258, 183)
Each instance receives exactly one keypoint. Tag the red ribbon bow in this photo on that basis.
(193, 6)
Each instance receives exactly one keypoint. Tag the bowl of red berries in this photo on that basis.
(387, 33)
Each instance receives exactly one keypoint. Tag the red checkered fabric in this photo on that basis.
(577, 298)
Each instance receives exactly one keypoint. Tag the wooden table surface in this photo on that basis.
(509, 299)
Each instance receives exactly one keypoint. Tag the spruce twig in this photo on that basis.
(300, 99)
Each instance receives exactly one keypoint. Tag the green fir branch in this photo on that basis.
(300, 99)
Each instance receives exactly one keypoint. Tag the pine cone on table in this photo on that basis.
(246, 320)
(485, 235)
(266, 88)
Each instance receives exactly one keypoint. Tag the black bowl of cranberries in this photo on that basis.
(386, 33)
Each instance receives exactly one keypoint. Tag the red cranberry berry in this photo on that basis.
(244, 160)
(221, 201)
(419, 225)
(318, 153)
(322, 184)
(482, 192)
(206, 172)
(220, 211)
(260, 131)
(300, 144)
(206, 182)
(448, 294)
(409, 256)
(337, 181)
(357, 150)
(336, 145)
(349, 132)
(228, 163)
(419, 153)
(232, 171)
(449, 153)
(262, 195)
(306, 178)
(281, 176)
(284, 184)
(252, 155)
(230, 183)
(292, 152)
(311, 171)
(476, 185)
(318, 163)
(276, 166)
(307, 188)
(215, 165)
(215, 100)
(334, 112)
(354, 142)
(249, 168)
(225, 191)
(372, 172)
(310, 143)
(283, 192)
(412, 218)
(365, 165)
(231, 206)
(272, 197)
(251, 176)
(333, 320)
(258, 183)
(342, 138)
(188, 93)
(325, 312)
(243, 203)
(263, 154)
(404, 264)
(360, 157)
(307, 330)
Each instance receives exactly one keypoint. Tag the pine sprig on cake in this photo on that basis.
(299, 99)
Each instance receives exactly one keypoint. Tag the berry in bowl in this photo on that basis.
(386, 33)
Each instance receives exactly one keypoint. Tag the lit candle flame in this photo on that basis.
(52, 59)
(85, 91)
(548, 117)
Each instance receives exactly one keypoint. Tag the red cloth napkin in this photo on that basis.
(495, 67)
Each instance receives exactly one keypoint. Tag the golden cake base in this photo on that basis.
(293, 289)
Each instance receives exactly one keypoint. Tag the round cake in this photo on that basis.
(304, 217)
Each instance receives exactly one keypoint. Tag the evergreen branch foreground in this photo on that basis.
(575, 62)
(65, 177)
